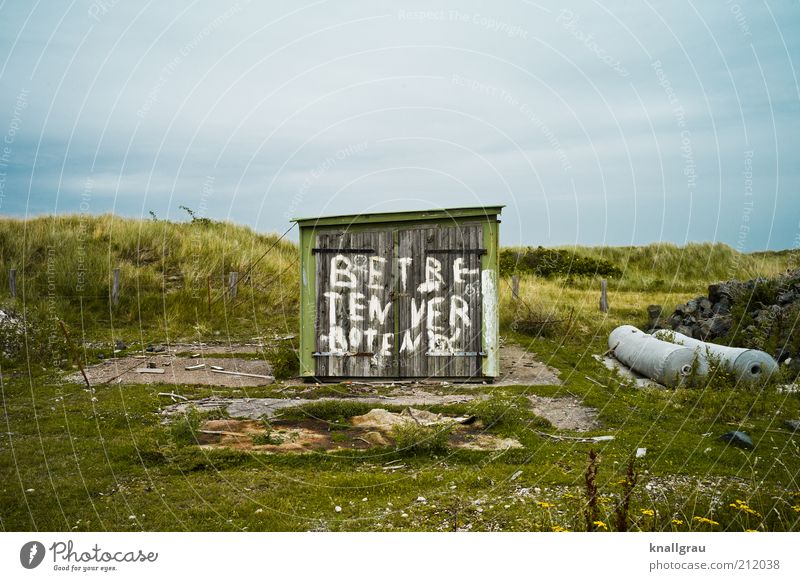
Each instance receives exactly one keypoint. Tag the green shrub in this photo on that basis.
(415, 439)
(552, 262)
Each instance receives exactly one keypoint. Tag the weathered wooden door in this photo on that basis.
(355, 316)
(402, 302)
(439, 301)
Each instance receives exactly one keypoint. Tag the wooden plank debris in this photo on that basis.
(149, 370)
(240, 374)
(194, 367)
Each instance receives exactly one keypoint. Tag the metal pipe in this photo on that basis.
(667, 363)
(747, 364)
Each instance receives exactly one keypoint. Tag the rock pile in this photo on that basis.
(761, 313)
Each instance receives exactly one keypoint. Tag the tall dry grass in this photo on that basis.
(64, 268)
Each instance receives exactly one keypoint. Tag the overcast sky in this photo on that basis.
(593, 122)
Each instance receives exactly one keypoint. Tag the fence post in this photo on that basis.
(115, 287)
(515, 287)
(604, 295)
(233, 279)
(12, 282)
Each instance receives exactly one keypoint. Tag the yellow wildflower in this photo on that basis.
(545, 504)
(742, 506)
(677, 521)
(704, 520)
(796, 508)
(558, 529)
(648, 512)
(600, 524)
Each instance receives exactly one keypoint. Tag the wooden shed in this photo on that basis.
(400, 295)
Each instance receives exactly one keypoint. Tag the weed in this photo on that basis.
(592, 509)
(414, 439)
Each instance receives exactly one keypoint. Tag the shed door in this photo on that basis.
(438, 301)
(355, 316)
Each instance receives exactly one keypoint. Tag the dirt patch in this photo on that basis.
(520, 367)
(488, 442)
(123, 370)
(565, 413)
(291, 438)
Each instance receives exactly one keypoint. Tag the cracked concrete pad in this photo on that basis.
(255, 408)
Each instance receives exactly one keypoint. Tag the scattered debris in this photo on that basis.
(793, 425)
(148, 370)
(174, 396)
(173, 371)
(737, 438)
(194, 367)
(641, 452)
(613, 364)
(582, 440)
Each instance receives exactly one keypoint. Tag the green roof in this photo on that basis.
(405, 216)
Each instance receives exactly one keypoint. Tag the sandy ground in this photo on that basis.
(517, 367)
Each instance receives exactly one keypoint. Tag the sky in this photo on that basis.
(597, 123)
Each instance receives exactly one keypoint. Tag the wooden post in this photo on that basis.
(12, 282)
(604, 295)
(515, 287)
(115, 287)
(233, 279)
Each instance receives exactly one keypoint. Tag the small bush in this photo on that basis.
(184, 430)
(415, 439)
(506, 411)
(266, 438)
(284, 360)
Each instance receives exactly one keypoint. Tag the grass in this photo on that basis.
(100, 459)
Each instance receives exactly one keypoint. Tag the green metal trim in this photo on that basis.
(308, 303)
(448, 214)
